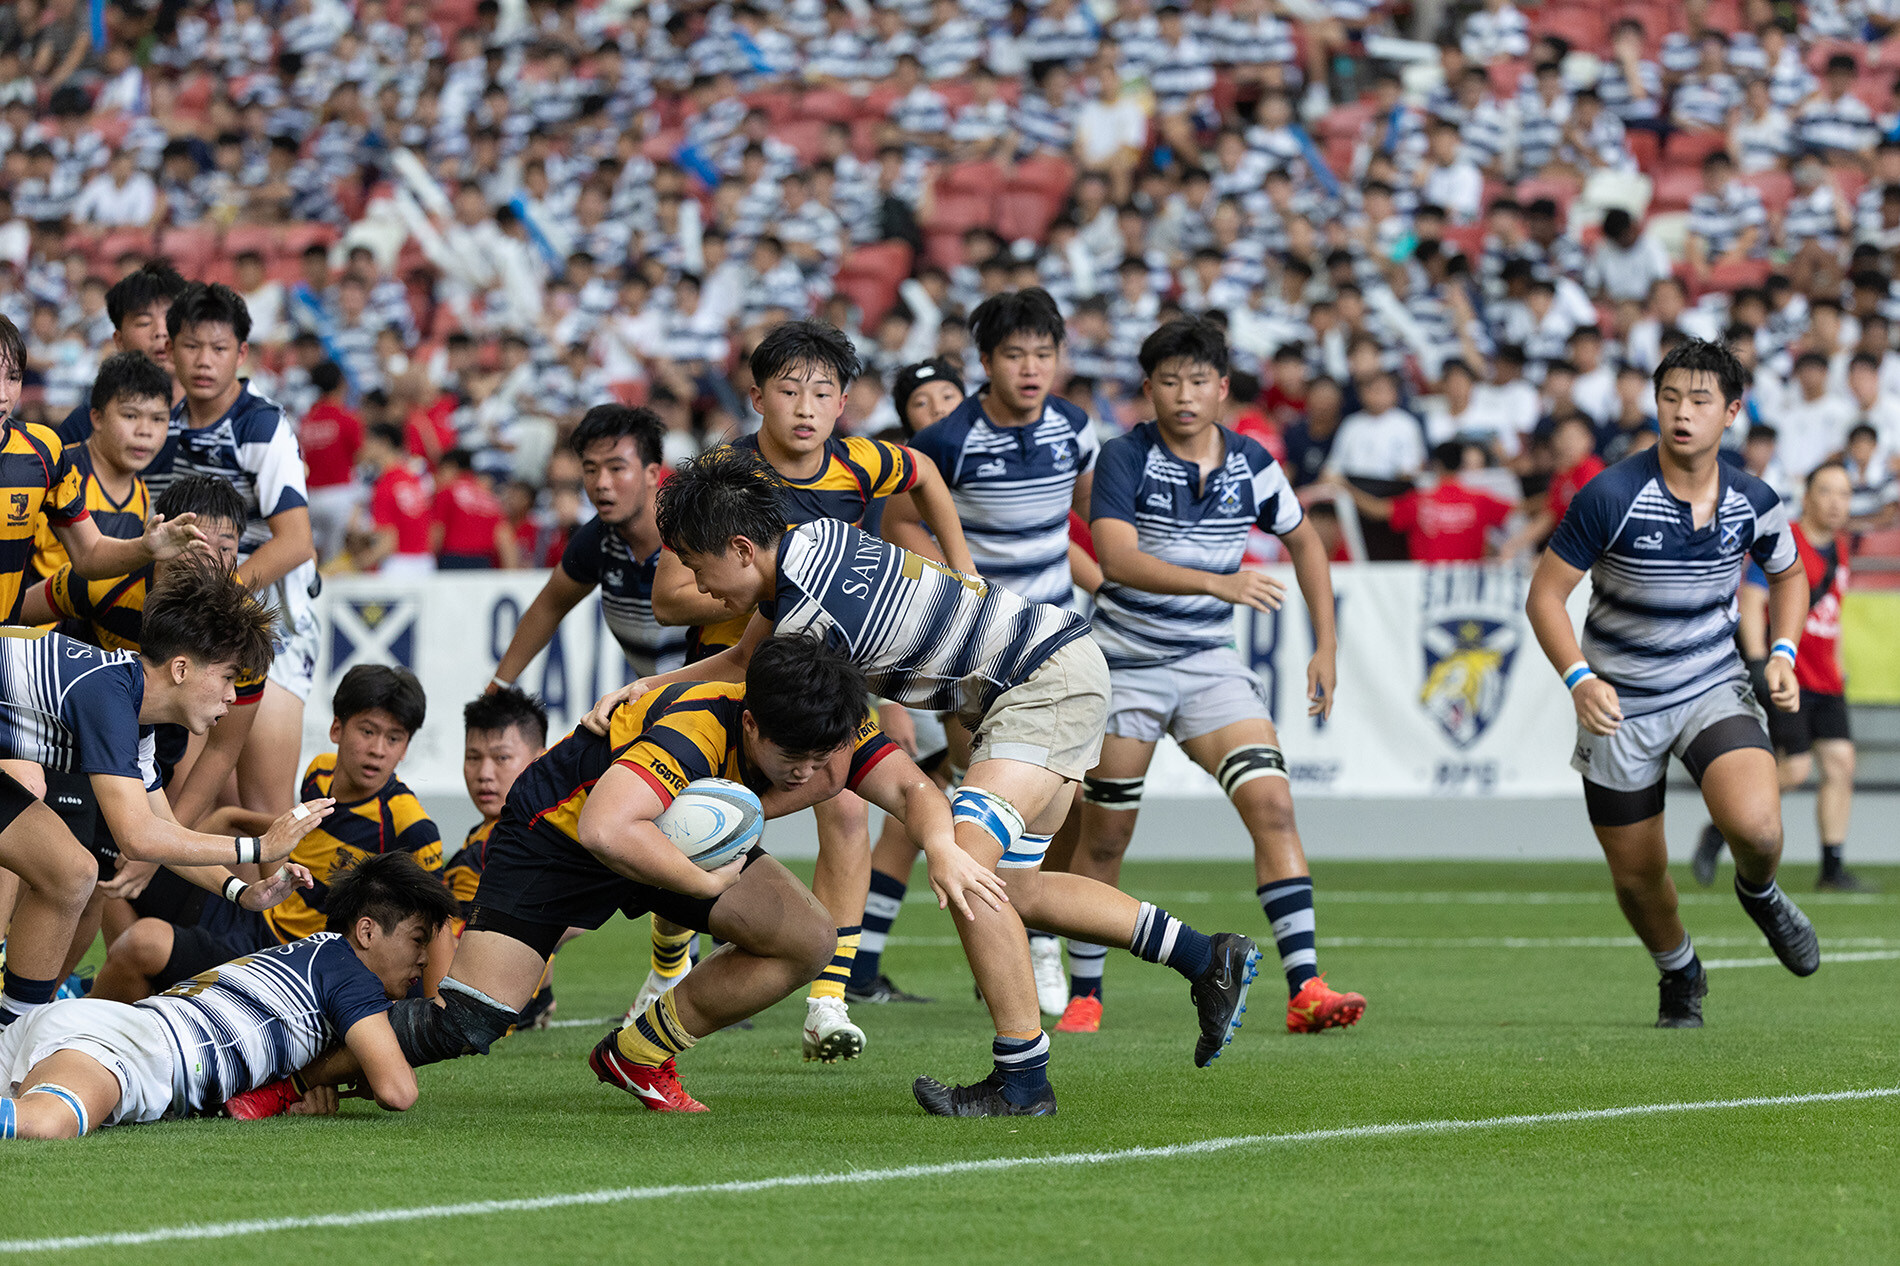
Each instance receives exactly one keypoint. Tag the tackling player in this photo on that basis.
(376, 711)
(1817, 733)
(1174, 500)
(69, 706)
(802, 372)
(1664, 535)
(1033, 690)
(86, 1062)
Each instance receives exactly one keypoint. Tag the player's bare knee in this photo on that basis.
(67, 877)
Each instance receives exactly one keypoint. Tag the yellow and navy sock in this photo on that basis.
(1086, 962)
(1288, 905)
(656, 1035)
(1022, 1061)
(20, 996)
(837, 973)
(1162, 938)
(880, 911)
(669, 951)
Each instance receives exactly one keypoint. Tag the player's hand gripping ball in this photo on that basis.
(713, 821)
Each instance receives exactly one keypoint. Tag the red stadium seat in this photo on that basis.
(954, 213)
(1505, 77)
(864, 136)
(1737, 276)
(1466, 239)
(943, 250)
(1025, 213)
(1688, 149)
(807, 136)
(1674, 188)
(663, 144)
(1821, 50)
(1582, 29)
(1646, 149)
(1043, 173)
(295, 239)
(983, 178)
(828, 104)
(1884, 547)
(1775, 187)
(261, 238)
(956, 93)
(190, 250)
(779, 105)
(877, 103)
(630, 392)
(873, 295)
(124, 242)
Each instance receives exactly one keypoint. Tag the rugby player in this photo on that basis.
(1665, 535)
(1173, 502)
(85, 1062)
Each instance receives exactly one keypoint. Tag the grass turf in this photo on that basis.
(1473, 1013)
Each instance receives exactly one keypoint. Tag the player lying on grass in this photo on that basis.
(577, 841)
(1664, 535)
(1033, 690)
(83, 1062)
(376, 710)
(69, 706)
(1173, 502)
(802, 373)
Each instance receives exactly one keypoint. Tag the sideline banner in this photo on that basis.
(1442, 689)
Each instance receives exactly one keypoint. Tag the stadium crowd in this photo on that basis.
(1446, 268)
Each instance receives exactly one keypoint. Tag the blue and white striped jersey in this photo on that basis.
(1140, 481)
(73, 708)
(260, 1018)
(1661, 625)
(1013, 486)
(598, 555)
(925, 636)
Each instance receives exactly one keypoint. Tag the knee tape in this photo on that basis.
(1113, 793)
(1244, 764)
(467, 1023)
(65, 1096)
(997, 816)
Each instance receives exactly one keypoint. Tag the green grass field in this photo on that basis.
(1494, 990)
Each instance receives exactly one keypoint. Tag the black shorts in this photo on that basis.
(14, 799)
(534, 888)
(1821, 717)
(223, 932)
(70, 796)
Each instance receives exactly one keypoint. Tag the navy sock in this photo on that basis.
(1085, 969)
(1288, 905)
(880, 911)
(1023, 1063)
(1831, 860)
(20, 995)
(1162, 938)
(1753, 898)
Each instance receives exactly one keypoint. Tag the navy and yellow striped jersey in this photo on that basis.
(856, 473)
(121, 520)
(463, 873)
(109, 613)
(37, 479)
(390, 821)
(670, 737)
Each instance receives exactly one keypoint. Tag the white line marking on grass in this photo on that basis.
(1569, 942)
(1404, 897)
(582, 1024)
(621, 1195)
(1865, 956)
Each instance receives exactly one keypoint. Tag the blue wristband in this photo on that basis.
(1783, 647)
(1577, 675)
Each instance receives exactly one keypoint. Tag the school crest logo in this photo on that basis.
(372, 631)
(1229, 502)
(1470, 635)
(1063, 454)
(1731, 536)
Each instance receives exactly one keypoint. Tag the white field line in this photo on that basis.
(1863, 956)
(1399, 897)
(622, 1195)
(1487, 942)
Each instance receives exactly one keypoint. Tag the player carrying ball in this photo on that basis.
(1665, 535)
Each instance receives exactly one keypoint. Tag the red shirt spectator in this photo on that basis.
(329, 437)
(1817, 661)
(1565, 484)
(429, 430)
(468, 521)
(398, 500)
(1447, 524)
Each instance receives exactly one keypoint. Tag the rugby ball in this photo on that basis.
(713, 821)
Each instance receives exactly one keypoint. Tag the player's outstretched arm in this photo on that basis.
(903, 527)
(616, 826)
(727, 665)
(677, 600)
(386, 1073)
(932, 498)
(1594, 698)
(97, 556)
(1314, 574)
(1787, 613)
(1118, 548)
(898, 787)
(538, 624)
(144, 836)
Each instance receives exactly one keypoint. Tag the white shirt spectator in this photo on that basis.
(1389, 445)
(106, 202)
(1811, 431)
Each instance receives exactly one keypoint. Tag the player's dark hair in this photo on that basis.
(131, 374)
(215, 304)
(389, 888)
(805, 345)
(12, 350)
(1193, 339)
(1029, 311)
(207, 496)
(370, 686)
(720, 494)
(199, 609)
(1700, 356)
(509, 708)
(612, 422)
(141, 288)
(805, 695)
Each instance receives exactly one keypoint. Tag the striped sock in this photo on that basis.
(1288, 905)
(8, 1126)
(19, 996)
(657, 1035)
(1023, 1064)
(880, 911)
(1677, 958)
(837, 973)
(1085, 969)
(670, 951)
(1162, 938)
(66, 1097)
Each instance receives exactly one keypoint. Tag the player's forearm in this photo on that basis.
(1549, 618)
(727, 665)
(289, 548)
(1140, 570)
(210, 878)
(685, 605)
(107, 557)
(1314, 575)
(926, 816)
(939, 511)
(1787, 605)
(1751, 631)
(167, 843)
(639, 852)
(533, 632)
(1084, 570)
